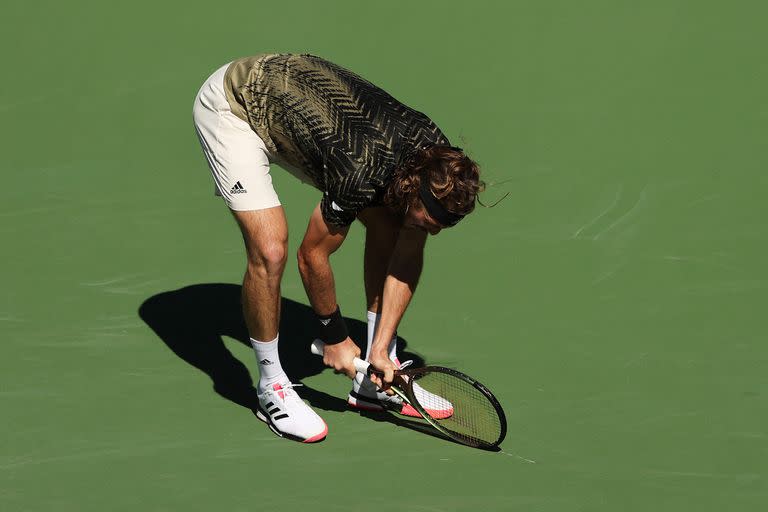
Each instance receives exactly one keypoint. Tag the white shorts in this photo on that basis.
(236, 155)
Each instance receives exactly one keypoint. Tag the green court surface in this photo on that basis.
(615, 302)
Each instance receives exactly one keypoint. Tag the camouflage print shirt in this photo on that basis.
(343, 132)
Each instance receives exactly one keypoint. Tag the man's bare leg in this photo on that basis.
(265, 233)
(381, 231)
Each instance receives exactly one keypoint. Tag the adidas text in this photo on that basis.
(238, 189)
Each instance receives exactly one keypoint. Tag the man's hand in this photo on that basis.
(382, 362)
(340, 357)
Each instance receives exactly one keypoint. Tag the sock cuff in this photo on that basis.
(373, 319)
(254, 341)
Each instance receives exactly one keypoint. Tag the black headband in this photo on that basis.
(436, 210)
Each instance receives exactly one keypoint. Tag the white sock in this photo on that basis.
(270, 370)
(373, 321)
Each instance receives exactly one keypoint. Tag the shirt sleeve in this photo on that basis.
(345, 199)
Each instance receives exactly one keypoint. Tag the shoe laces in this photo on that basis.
(286, 389)
(405, 364)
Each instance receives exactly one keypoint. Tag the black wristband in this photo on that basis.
(333, 329)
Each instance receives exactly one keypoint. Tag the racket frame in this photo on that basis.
(408, 395)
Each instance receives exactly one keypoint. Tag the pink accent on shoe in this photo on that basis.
(278, 388)
(438, 414)
(318, 437)
(396, 361)
(364, 407)
(408, 410)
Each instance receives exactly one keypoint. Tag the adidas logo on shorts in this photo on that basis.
(238, 189)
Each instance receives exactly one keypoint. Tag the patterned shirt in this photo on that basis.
(347, 135)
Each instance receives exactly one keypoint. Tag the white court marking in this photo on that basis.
(607, 210)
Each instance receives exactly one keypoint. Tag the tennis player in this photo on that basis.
(375, 160)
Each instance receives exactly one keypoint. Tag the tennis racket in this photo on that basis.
(454, 403)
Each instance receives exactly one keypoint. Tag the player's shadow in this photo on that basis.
(192, 320)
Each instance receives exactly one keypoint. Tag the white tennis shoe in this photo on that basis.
(435, 405)
(288, 416)
(365, 396)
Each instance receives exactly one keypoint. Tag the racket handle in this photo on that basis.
(318, 347)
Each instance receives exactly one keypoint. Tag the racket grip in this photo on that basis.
(318, 347)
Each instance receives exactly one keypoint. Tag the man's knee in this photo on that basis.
(265, 234)
(268, 257)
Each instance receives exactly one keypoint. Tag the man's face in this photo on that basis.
(417, 218)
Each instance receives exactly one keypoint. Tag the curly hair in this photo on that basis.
(454, 180)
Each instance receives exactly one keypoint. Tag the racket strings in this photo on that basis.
(458, 406)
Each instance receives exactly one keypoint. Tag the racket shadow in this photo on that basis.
(417, 425)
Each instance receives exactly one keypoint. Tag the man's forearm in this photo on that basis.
(399, 286)
(317, 276)
(397, 296)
